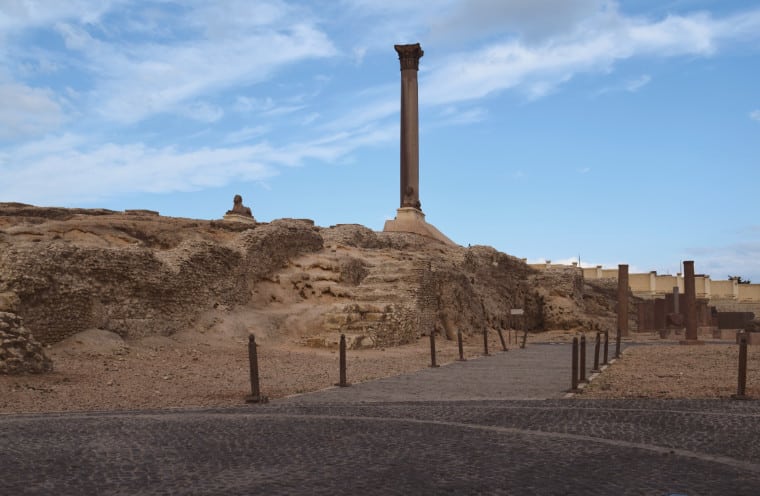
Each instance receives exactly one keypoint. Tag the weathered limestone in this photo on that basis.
(239, 212)
(20, 353)
(409, 217)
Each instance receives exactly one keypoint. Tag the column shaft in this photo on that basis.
(690, 293)
(622, 315)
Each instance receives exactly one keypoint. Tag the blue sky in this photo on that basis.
(620, 132)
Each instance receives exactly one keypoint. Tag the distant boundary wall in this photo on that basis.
(725, 295)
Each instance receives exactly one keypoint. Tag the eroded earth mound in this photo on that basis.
(137, 274)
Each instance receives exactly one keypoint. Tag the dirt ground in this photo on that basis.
(97, 370)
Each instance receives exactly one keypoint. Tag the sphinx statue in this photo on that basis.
(239, 210)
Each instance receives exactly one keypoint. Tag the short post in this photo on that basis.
(501, 338)
(741, 389)
(606, 347)
(525, 332)
(343, 382)
(582, 376)
(596, 368)
(256, 396)
(433, 364)
(461, 346)
(617, 345)
(574, 372)
(485, 341)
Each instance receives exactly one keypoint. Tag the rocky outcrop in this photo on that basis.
(138, 273)
(20, 353)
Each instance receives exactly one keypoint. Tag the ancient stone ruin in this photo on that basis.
(409, 217)
(67, 271)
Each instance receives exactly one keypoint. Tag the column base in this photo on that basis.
(411, 220)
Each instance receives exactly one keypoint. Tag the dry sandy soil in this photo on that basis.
(97, 370)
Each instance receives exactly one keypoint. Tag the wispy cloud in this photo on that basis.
(635, 85)
(140, 77)
(76, 169)
(27, 111)
(246, 134)
(738, 259)
(454, 116)
(535, 70)
(755, 115)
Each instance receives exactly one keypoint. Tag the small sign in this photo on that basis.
(516, 311)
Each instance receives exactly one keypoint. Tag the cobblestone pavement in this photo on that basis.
(308, 445)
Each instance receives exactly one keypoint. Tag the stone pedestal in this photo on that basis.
(239, 218)
(412, 220)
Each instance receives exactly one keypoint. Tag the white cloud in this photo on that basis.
(75, 172)
(737, 259)
(595, 45)
(246, 134)
(532, 20)
(635, 85)
(755, 115)
(27, 111)
(71, 169)
(454, 116)
(138, 77)
(20, 14)
(201, 111)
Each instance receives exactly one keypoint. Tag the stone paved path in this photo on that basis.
(341, 442)
(539, 371)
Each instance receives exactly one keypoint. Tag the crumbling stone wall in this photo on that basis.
(20, 353)
(156, 284)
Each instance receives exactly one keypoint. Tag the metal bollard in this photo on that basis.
(574, 372)
(582, 376)
(485, 341)
(596, 352)
(741, 389)
(432, 349)
(606, 346)
(617, 345)
(256, 396)
(461, 346)
(501, 338)
(343, 382)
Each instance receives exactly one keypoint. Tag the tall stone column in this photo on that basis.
(409, 217)
(622, 314)
(409, 57)
(690, 293)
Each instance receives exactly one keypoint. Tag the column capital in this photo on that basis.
(409, 56)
